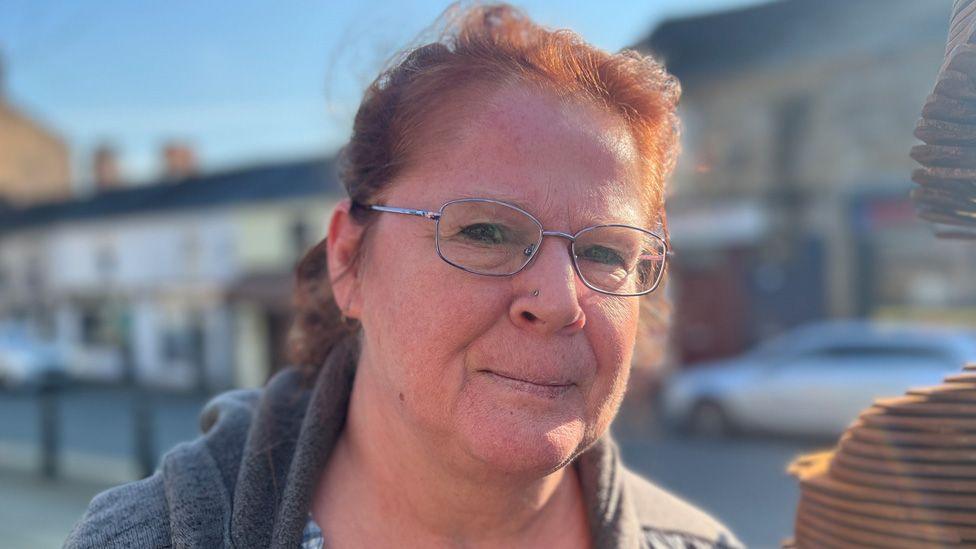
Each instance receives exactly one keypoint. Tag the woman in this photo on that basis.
(467, 326)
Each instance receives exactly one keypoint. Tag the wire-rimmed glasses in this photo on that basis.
(493, 238)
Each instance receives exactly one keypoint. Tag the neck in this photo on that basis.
(426, 494)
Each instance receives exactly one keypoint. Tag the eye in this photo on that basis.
(601, 254)
(484, 233)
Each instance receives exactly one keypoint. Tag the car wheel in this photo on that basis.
(709, 419)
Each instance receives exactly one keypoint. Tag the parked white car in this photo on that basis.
(814, 380)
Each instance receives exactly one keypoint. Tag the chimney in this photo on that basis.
(179, 161)
(105, 166)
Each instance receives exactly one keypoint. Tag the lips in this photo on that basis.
(546, 389)
(532, 380)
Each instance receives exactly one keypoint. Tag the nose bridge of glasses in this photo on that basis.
(532, 252)
(531, 249)
(560, 234)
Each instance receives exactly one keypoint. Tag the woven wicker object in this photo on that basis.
(903, 475)
(946, 194)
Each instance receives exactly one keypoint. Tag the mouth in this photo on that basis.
(541, 388)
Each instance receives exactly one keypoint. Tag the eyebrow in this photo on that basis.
(599, 220)
(500, 197)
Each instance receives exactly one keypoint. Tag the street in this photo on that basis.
(739, 481)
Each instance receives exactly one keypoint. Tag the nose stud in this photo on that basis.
(535, 293)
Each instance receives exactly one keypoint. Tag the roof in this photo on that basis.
(788, 30)
(240, 186)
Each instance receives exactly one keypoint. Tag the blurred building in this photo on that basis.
(34, 161)
(184, 283)
(791, 200)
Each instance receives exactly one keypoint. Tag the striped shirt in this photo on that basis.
(312, 536)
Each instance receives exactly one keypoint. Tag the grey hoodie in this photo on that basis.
(247, 481)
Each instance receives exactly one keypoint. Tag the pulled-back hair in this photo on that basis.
(476, 47)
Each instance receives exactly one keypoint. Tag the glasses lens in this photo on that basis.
(620, 260)
(486, 237)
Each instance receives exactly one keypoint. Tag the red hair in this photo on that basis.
(477, 47)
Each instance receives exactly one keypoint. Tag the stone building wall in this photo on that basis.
(34, 162)
(804, 110)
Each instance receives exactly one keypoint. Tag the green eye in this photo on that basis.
(601, 254)
(483, 233)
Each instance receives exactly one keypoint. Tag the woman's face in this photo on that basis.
(458, 359)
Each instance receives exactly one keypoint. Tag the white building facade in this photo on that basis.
(146, 292)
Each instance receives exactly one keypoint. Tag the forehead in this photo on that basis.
(565, 161)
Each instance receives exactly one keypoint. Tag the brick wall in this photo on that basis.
(34, 163)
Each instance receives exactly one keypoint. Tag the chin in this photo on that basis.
(519, 442)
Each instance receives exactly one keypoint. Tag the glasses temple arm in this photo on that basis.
(406, 211)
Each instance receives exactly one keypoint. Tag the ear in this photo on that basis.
(343, 250)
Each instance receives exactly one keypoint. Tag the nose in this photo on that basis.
(556, 309)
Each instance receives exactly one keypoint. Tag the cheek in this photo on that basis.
(611, 331)
(419, 315)
(433, 308)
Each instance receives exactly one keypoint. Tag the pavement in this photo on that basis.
(740, 481)
(36, 513)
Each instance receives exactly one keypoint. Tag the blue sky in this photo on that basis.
(242, 81)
